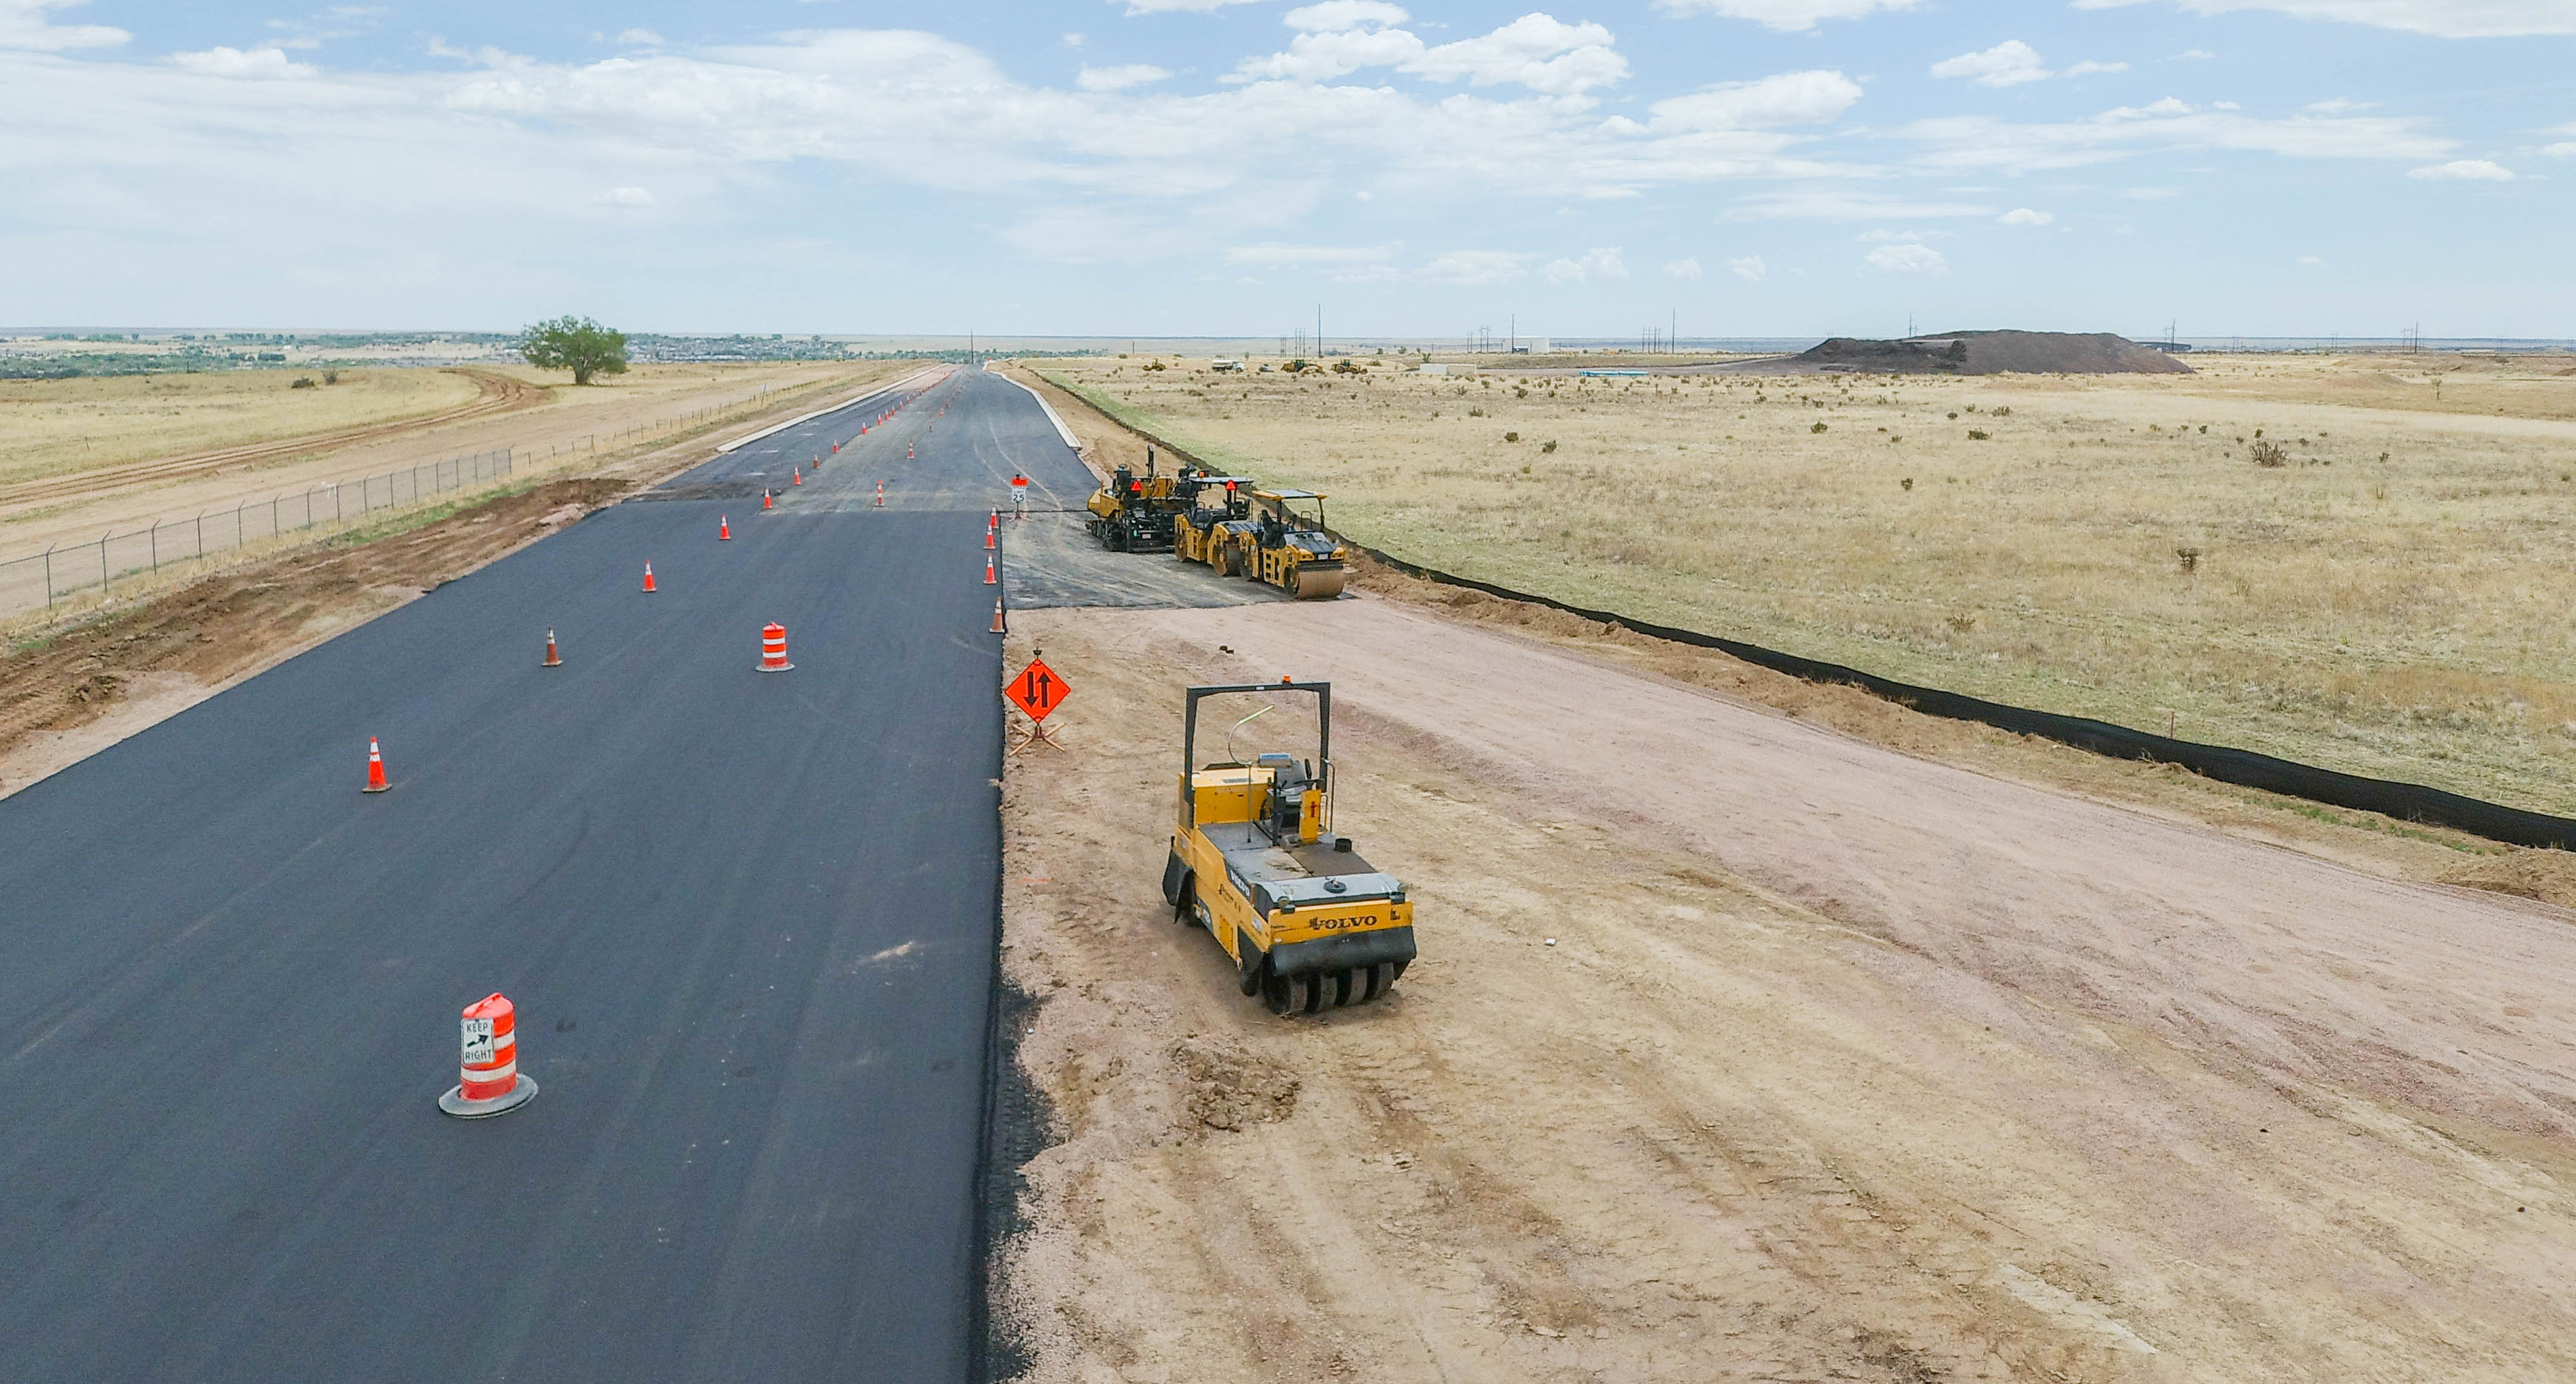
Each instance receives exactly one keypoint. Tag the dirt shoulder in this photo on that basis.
(1843, 1063)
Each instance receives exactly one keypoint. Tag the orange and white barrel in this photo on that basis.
(489, 1079)
(773, 648)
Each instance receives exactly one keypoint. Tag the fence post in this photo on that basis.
(49, 576)
(102, 562)
(241, 535)
(272, 514)
(156, 545)
(335, 503)
(201, 535)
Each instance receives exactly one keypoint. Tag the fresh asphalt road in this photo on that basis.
(747, 919)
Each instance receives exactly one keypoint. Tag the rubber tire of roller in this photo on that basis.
(1377, 977)
(1277, 993)
(1250, 972)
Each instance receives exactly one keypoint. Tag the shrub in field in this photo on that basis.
(1978, 434)
(2270, 454)
(2190, 558)
(1511, 437)
(302, 382)
(1548, 446)
(1817, 429)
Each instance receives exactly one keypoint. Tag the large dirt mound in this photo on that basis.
(1985, 353)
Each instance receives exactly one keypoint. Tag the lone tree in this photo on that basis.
(576, 344)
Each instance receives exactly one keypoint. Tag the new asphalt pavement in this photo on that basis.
(748, 921)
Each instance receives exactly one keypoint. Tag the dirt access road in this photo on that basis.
(1843, 1064)
(494, 393)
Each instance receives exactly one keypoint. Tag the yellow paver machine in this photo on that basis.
(1254, 860)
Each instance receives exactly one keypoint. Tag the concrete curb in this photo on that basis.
(723, 447)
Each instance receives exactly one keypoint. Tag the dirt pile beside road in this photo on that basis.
(1976, 353)
(63, 696)
(1739, 1049)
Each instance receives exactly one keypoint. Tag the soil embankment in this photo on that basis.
(1973, 353)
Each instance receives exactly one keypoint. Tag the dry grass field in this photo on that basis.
(2392, 598)
(48, 427)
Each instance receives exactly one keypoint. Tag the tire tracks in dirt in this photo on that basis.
(497, 394)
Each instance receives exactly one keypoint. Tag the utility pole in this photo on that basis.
(1319, 329)
(1514, 344)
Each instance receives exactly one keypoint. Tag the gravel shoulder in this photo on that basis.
(1845, 1063)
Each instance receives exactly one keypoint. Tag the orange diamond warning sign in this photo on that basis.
(1037, 690)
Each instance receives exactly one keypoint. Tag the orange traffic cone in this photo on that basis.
(648, 578)
(997, 615)
(553, 659)
(907, 451)
(773, 648)
(989, 578)
(795, 477)
(881, 494)
(724, 529)
(375, 768)
(764, 500)
(836, 449)
(988, 540)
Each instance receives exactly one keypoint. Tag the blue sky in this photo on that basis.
(1758, 167)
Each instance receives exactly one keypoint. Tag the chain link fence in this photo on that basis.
(90, 572)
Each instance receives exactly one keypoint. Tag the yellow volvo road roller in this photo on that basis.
(1291, 549)
(1254, 860)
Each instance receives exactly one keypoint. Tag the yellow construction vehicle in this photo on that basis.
(1214, 529)
(1134, 514)
(1293, 551)
(1254, 860)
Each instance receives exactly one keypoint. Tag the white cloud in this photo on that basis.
(1840, 204)
(1477, 268)
(1957, 143)
(259, 64)
(1884, 235)
(2441, 18)
(641, 38)
(1073, 40)
(2311, 261)
(2196, 55)
(1750, 269)
(2338, 106)
(2013, 62)
(1788, 16)
(1682, 269)
(1536, 50)
(1273, 254)
(1791, 98)
(1597, 263)
(2008, 63)
(1334, 16)
(2464, 170)
(23, 25)
(2560, 151)
(623, 197)
(2024, 216)
(1119, 78)
(1908, 259)
(1320, 57)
